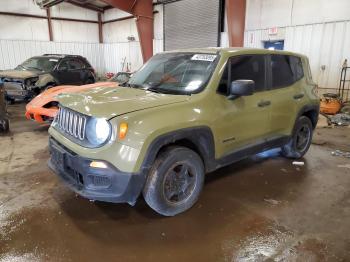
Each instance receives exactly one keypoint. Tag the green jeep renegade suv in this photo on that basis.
(183, 114)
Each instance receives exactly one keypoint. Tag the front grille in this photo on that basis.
(71, 122)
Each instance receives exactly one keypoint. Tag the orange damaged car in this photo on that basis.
(44, 107)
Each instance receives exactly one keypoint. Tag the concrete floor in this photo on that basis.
(260, 209)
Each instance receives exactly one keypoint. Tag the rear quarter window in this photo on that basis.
(286, 70)
(297, 67)
(282, 74)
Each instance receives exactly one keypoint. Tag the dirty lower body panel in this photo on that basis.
(103, 184)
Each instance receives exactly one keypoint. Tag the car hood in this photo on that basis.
(108, 103)
(51, 94)
(19, 74)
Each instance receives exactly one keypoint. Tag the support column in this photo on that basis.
(142, 10)
(100, 28)
(236, 21)
(48, 14)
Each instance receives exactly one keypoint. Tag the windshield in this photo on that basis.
(39, 63)
(175, 73)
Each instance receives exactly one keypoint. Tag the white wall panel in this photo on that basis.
(21, 6)
(253, 14)
(325, 44)
(158, 46)
(275, 13)
(304, 12)
(119, 31)
(103, 57)
(114, 13)
(14, 52)
(158, 22)
(66, 31)
(224, 42)
(319, 29)
(115, 53)
(12, 27)
(262, 14)
(67, 10)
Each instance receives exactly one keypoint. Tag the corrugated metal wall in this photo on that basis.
(104, 57)
(326, 44)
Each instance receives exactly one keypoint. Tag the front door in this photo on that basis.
(244, 120)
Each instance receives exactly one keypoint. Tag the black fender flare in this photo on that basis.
(201, 137)
(309, 108)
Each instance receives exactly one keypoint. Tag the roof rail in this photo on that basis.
(59, 55)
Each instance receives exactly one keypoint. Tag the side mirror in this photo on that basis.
(241, 88)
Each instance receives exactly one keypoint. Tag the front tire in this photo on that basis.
(175, 181)
(4, 125)
(300, 142)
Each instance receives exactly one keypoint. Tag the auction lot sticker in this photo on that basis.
(203, 57)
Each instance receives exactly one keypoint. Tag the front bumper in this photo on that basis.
(19, 94)
(102, 184)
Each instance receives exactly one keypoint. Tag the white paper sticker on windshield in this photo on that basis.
(203, 57)
(53, 60)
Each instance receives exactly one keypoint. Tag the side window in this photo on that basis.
(282, 73)
(75, 64)
(297, 67)
(85, 63)
(247, 67)
(63, 65)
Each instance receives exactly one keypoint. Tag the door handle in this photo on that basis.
(264, 103)
(298, 96)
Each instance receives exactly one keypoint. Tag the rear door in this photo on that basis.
(286, 81)
(244, 121)
(77, 71)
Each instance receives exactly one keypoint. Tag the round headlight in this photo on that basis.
(98, 131)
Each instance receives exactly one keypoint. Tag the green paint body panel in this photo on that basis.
(233, 123)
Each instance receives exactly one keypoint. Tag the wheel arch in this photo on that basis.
(198, 139)
(311, 112)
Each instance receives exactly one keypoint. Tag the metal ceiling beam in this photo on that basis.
(49, 3)
(236, 21)
(52, 18)
(86, 6)
(142, 10)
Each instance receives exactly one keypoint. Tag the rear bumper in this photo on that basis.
(102, 184)
(40, 114)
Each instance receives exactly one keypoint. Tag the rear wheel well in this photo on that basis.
(313, 116)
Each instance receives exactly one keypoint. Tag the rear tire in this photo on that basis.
(89, 81)
(301, 138)
(175, 181)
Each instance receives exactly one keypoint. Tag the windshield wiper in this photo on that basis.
(155, 90)
(127, 84)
